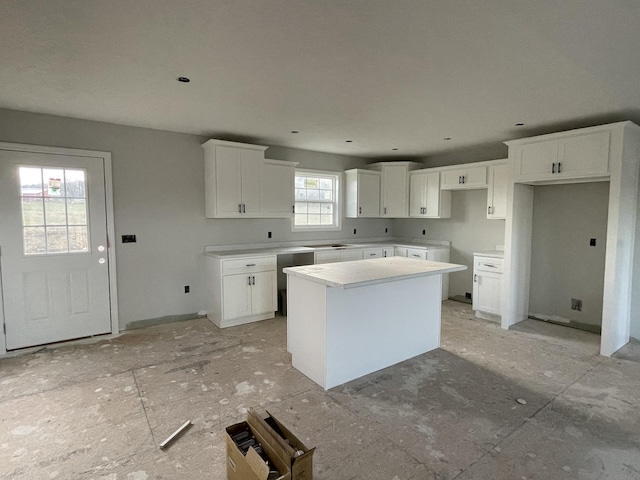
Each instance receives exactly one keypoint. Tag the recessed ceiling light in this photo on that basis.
(519, 125)
(348, 141)
(394, 149)
(295, 131)
(447, 138)
(184, 79)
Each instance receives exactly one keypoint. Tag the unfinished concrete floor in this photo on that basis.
(99, 410)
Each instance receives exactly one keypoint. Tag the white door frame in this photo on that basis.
(111, 236)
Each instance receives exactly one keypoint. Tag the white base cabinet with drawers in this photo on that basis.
(487, 285)
(434, 254)
(241, 289)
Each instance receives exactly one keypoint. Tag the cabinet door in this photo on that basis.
(475, 177)
(417, 194)
(497, 192)
(263, 293)
(368, 194)
(276, 190)
(251, 161)
(236, 296)
(438, 201)
(452, 179)
(395, 191)
(535, 161)
(228, 182)
(584, 155)
(486, 292)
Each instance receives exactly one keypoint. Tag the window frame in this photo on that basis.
(337, 215)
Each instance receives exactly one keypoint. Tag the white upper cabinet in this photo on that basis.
(395, 187)
(239, 183)
(426, 199)
(497, 192)
(362, 193)
(277, 189)
(576, 156)
(464, 177)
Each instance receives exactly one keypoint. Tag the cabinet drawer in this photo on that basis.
(248, 264)
(417, 253)
(488, 264)
(372, 253)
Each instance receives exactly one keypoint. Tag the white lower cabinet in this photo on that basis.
(487, 287)
(241, 289)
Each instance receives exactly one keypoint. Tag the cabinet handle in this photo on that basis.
(559, 167)
(464, 179)
(253, 280)
(239, 208)
(359, 209)
(459, 179)
(244, 208)
(250, 265)
(249, 279)
(372, 254)
(385, 210)
(293, 209)
(553, 167)
(489, 210)
(475, 279)
(489, 265)
(415, 255)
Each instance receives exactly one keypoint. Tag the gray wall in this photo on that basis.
(563, 265)
(468, 229)
(158, 183)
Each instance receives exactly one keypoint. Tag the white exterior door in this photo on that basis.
(54, 254)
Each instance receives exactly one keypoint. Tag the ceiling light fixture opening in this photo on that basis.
(394, 149)
(447, 138)
(295, 131)
(519, 125)
(349, 141)
(184, 79)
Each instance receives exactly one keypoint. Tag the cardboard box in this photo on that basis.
(252, 466)
(287, 446)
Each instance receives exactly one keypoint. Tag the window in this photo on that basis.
(317, 204)
(54, 210)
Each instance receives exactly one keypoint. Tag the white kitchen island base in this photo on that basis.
(337, 333)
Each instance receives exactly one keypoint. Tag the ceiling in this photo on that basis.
(384, 74)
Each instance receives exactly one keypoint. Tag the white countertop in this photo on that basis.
(490, 253)
(281, 250)
(359, 273)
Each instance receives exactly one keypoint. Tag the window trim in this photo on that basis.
(337, 176)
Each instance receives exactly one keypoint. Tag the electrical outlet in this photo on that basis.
(467, 295)
(186, 289)
(386, 229)
(592, 242)
(424, 232)
(128, 239)
(576, 304)
(354, 231)
(268, 234)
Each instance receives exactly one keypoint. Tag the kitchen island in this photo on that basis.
(348, 319)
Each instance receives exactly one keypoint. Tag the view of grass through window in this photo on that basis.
(54, 210)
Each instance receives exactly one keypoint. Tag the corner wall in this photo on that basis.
(468, 229)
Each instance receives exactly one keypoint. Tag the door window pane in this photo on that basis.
(54, 210)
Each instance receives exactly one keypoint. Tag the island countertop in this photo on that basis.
(359, 273)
